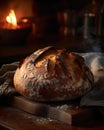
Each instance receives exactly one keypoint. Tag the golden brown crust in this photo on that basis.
(53, 75)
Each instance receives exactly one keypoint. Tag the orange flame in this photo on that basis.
(11, 18)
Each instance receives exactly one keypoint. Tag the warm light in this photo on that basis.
(11, 18)
(25, 20)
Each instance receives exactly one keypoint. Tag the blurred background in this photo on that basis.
(61, 23)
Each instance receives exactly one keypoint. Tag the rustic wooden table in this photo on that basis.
(13, 118)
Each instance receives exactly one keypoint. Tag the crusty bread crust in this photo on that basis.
(53, 75)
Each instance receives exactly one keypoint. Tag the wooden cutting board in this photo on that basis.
(68, 112)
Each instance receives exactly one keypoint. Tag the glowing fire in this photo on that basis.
(11, 18)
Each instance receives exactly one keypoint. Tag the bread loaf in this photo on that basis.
(50, 74)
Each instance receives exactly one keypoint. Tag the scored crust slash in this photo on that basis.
(73, 114)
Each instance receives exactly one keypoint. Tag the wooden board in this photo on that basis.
(66, 112)
(16, 116)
